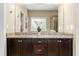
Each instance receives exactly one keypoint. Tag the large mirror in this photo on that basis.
(26, 18)
(32, 18)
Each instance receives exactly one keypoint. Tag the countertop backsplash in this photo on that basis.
(42, 35)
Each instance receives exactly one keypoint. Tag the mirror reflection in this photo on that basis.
(28, 18)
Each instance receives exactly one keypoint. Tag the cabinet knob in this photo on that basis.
(19, 41)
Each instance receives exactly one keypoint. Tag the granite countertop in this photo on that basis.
(40, 36)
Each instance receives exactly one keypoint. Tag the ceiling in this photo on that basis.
(40, 6)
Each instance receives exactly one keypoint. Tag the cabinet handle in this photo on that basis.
(39, 50)
(19, 41)
(59, 41)
(39, 41)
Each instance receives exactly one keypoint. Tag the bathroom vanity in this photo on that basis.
(43, 45)
(39, 32)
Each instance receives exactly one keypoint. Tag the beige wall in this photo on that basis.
(3, 45)
(41, 13)
(60, 19)
(10, 18)
(66, 18)
(76, 29)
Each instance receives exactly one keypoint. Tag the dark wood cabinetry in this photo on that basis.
(19, 47)
(27, 47)
(65, 47)
(39, 47)
(53, 47)
(60, 47)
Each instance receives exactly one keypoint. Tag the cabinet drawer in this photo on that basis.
(39, 41)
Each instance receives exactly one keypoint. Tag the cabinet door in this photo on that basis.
(9, 47)
(39, 47)
(27, 47)
(65, 47)
(13, 47)
(53, 47)
(19, 47)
